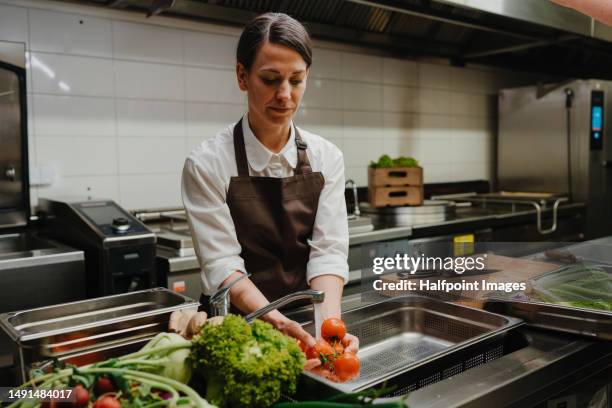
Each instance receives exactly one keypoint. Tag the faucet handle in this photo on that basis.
(220, 301)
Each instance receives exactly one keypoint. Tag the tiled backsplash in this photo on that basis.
(116, 102)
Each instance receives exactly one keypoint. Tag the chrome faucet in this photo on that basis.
(220, 300)
(315, 296)
(352, 185)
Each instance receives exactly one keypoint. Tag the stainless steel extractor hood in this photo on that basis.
(534, 35)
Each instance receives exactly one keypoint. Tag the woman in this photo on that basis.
(264, 197)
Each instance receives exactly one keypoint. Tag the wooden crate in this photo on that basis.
(396, 176)
(395, 196)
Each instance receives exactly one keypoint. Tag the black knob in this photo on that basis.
(121, 224)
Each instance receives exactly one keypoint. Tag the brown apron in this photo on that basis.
(274, 218)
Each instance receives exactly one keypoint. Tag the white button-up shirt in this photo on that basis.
(206, 178)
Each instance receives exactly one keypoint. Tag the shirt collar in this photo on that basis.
(259, 155)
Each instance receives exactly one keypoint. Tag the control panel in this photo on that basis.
(109, 218)
(597, 120)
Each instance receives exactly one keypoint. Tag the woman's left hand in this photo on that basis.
(350, 343)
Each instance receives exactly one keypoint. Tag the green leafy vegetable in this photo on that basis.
(172, 362)
(591, 289)
(385, 162)
(246, 365)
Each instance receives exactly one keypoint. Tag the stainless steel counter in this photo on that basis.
(550, 364)
(25, 250)
(543, 364)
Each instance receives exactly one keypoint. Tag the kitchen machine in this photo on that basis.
(119, 249)
(553, 143)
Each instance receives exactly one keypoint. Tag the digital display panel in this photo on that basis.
(596, 118)
(103, 214)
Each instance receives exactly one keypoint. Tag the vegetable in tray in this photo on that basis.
(583, 286)
(235, 364)
(385, 161)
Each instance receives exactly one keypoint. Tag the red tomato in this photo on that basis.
(321, 350)
(81, 396)
(104, 385)
(303, 346)
(333, 328)
(107, 401)
(347, 366)
(338, 347)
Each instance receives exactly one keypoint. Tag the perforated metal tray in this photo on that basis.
(402, 334)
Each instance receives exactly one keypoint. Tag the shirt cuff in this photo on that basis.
(213, 274)
(327, 265)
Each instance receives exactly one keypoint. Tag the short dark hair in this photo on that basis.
(276, 28)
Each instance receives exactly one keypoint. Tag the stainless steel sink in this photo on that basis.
(12, 243)
(24, 245)
(400, 339)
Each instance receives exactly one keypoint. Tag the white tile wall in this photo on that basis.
(323, 93)
(83, 186)
(400, 72)
(212, 85)
(144, 155)
(68, 75)
(360, 67)
(141, 117)
(78, 156)
(205, 120)
(70, 34)
(142, 42)
(434, 76)
(149, 81)
(73, 115)
(210, 50)
(115, 105)
(321, 121)
(326, 64)
(150, 190)
(363, 96)
(13, 24)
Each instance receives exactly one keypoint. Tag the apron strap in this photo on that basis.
(303, 164)
(240, 150)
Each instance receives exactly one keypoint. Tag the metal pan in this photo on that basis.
(75, 329)
(567, 319)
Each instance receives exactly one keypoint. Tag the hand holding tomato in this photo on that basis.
(336, 352)
(347, 366)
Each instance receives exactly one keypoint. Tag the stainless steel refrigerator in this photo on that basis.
(554, 139)
(14, 192)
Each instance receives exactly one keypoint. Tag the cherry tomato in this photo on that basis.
(333, 329)
(303, 346)
(81, 396)
(104, 385)
(107, 401)
(321, 350)
(347, 366)
(338, 347)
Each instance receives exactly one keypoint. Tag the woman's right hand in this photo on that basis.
(187, 323)
(294, 329)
